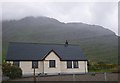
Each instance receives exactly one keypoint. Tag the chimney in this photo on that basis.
(66, 43)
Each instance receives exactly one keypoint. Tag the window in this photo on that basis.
(75, 64)
(34, 64)
(16, 63)
(51, 63)
(69, 64)
(72, 64)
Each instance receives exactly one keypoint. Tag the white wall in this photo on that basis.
(61, 66)
(27, 69)
(11, 62)
(52, 56)
(26, 66)
(82, 67)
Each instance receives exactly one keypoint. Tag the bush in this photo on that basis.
(11, 71)
(6, 68)
(116, 69)
(102, 67)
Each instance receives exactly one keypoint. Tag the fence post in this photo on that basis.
(74, 77)
(34, 74)
(105, 75)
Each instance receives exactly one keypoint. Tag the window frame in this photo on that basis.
(73, 65)
(52, 63)
(16, 63)
(36, 64)
(68, 62)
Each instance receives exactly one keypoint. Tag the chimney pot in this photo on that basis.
(66, 43)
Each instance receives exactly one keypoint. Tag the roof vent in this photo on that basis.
(66, 43)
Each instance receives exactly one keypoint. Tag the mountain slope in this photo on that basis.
(96, 41)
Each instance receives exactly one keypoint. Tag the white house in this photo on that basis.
(47, 58)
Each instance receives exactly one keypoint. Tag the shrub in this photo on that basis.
(116, 70)
(102, 67)
(6, 68)
(11, 71)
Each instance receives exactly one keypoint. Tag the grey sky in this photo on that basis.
(99, 13)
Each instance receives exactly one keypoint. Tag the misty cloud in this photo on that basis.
(100, 13)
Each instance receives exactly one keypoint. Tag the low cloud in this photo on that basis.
(100, 13)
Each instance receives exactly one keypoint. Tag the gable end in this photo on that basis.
(49, 53)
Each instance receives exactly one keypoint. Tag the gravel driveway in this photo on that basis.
(80, 77)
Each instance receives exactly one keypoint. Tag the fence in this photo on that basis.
(75, 77)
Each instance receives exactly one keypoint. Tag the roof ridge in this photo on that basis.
(44, 43)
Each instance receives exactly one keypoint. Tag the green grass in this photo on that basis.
(101, 71)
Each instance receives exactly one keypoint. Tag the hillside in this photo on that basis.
(97, 42)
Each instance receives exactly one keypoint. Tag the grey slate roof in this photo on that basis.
(37, 51)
